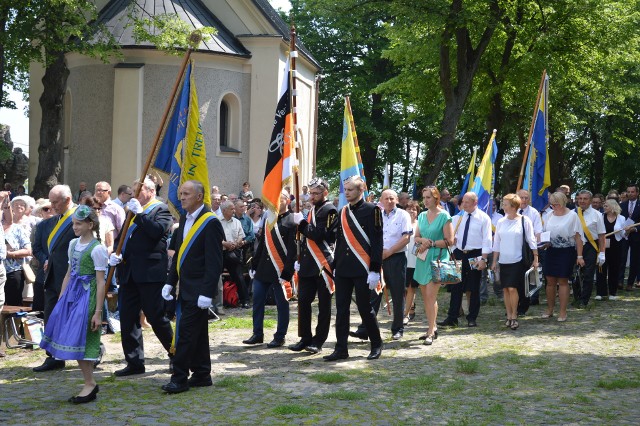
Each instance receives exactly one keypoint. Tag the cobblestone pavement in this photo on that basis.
(583, 371)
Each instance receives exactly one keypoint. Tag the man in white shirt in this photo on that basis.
(232, 249)
(473, 240)
(536, 220)
(124, 195)
(216, 199)
(593, 241)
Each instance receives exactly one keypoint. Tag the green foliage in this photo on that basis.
(328, 377)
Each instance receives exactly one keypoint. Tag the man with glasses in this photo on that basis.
(124, 195)
(314, 270)
(109, 209)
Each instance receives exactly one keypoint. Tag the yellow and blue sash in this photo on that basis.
(193, 233)
(146, 209)
(63, 223)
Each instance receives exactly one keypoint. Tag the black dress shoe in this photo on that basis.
(129, 370)
(334, 356)
(87, 398)
(375, 353)
(49, 363)
(199, 382)
(245, 306)
(254, 340)
(359, 335)
(275, 343)
(313, 349)
(472, 324)
(448, 323)
(173, 387)
(298, 346)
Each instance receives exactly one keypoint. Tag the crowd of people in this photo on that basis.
(383, 250)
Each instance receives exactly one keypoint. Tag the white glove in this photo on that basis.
(115, 259)
(296, 266)
(281, 281)
(166, 292)
(204, 302)
(252, 273)
(297, 218)
(134, 206)
(601, 259)
(373, 279)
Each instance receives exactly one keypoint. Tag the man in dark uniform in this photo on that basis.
(357, 264)
(272, 264)
(197, 265)
(142, 272)
(315, 274)
(55, 256)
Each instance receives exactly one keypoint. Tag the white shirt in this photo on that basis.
(411, 258)
(479, 235)
(190, 220)
(395, 225)
(534, 216)
(232, 229)
(508, 239)
(218, 213)
(595, 225)
(563, 229)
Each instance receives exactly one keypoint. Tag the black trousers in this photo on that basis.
(583, 287)
(13, 288)
(309, 287)
(235, 273)
(607, 277)
(192, 344)
(470, 282)
(634, 262)
(344, 290)
(132, 297)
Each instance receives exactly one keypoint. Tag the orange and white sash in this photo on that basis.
(323, 264)
(277, 251)
(356, 238)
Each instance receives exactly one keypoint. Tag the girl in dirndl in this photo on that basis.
(74, 328)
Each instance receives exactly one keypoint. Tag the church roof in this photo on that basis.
(115, 17)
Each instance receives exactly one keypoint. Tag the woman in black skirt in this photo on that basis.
(511, 232)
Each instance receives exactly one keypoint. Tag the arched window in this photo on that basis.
(229, 125)
(224, 124)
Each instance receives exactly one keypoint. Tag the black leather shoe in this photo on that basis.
(359, 335)
(49, 364)
(245, 306)
(472, 324)
(129, 370)
(298, 346)
(334, 356)
(173, 387)
(87, 398)
(275, 343)
(375, 353)
(448, 323)
(254, 340)
(313, 349)
(199, 382)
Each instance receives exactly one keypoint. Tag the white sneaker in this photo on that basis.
(598, 297)
(613, 297)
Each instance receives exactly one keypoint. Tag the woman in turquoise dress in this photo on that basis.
(433, 235)
(75, 325)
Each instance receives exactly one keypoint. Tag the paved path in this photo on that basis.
(584, 371)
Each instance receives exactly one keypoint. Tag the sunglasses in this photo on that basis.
(46, 209)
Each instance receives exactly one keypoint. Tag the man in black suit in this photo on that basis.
(142, 272)
(197, 265)
(54, 256)
(357, 264)
(631, 210)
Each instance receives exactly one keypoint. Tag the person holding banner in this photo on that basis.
(357, 263)
(197, 266)
(55, 257)
(142, 272)
(273, 264)
(314, 270)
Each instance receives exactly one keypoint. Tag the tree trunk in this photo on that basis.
(51, 137)
(598, 161)
(369, 150)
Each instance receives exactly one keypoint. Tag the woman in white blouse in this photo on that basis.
(565, 241)
(512, 231)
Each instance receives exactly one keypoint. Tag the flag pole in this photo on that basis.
(533, 121)
(195, 39)
(352, 124)
(293, 54)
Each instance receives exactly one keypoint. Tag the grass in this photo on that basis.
(238, 322)
(328, 378)
(345, 395)
(237, 383)
(618, 383)
(467, 366)
(421, 383)
(287, 409)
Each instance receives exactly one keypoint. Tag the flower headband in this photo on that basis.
(82, 212)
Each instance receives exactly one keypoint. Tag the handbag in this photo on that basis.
(27, 273)
(445, 272)
(527, 253)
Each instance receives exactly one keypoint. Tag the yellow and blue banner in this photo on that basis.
(470, 171)
(350, 161)
(537, 177)
(485, 179)
(182, 153)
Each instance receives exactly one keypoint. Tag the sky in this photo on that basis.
(19, 123)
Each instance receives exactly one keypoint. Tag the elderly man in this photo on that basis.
(473, 240)
(124, 195)
(82, 187)
(54, 256)
(232, 250)
(142, 272)
(403, 200)
(593, 242)
(110, 209)
(534, 216)
(216, 200)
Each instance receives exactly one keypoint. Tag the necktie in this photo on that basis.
(466, 232)
(521, 210)
(631, 207)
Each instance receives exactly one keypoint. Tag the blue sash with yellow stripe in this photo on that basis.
(147, 208)
(63, 223)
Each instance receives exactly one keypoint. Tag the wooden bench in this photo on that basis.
(9, 327)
